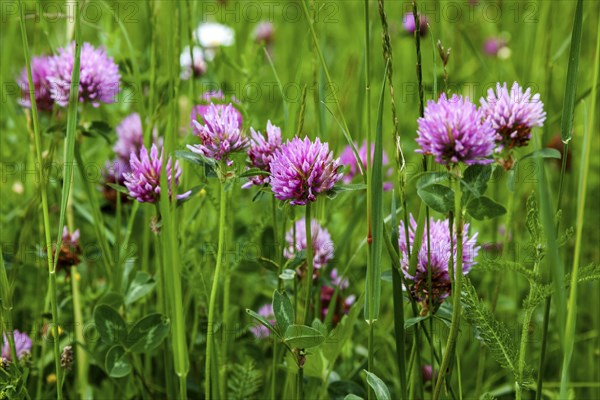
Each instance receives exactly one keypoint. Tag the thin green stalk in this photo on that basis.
(309, 262)
(5, 309)
(37, 135)
(505, 244)
(81, 353)
(213, 293)
(344, 124)
(300, 384)
(418, 48)
(525, 336)
(581, 200)
(456, 287)
(398, 301)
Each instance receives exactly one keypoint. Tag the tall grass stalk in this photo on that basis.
(214, 288)
(6, 310)
(584, 171)
(344, 124)
(368, 177)
(456, 276)
(167, 206)
(71, 130)
(401, 181)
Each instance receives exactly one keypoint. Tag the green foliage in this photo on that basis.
(493, 333)
(283, 310)
(482, 208)
(302, 337)
(379, 387)
(245, 381)
(438, 197)
(144, 336)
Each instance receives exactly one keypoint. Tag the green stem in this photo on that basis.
(5, 309)
(505, 245)
(81, 354)
(309, 262)
(456, 288)
(525, 337)
(44, 195)
(213, 293)
(300, 384)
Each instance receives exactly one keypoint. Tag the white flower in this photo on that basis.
(185, 59)
(213, 34)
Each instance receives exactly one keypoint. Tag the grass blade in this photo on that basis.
(581, 197)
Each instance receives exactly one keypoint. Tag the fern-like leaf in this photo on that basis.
(493, 333)
(245, 381)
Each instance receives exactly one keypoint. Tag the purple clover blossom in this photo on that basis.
(261, 152)
(347, 158)
(260, 331)
(439, 255)
(23, 345)
(453, 131)
(263, 33)
(209, 98)
(143, 181)
(221, 134)
(512, 114)
(493, 45)
(408, 23)
(40, 67)
(99, 75)
(322, 244)
(130, 136)
(301, 169)
(338, 280)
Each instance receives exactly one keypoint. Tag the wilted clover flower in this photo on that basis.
(40, 67)
(67, 357)
(408, 22)
(99, 78)
(22, 345)
(220, 134)
(453, 131)
(322, 245)
(216, 98)
(439, 253)
(301, 169)
(347, 158)
(70, 250)
(260, 331)
(512, 114)
(261, 152)
(189, 69)
(143, 181)
(342, 305)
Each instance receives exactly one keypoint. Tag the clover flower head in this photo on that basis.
(143, 182)
(40, 67)
(99, 78)
(261, 152)
(437, 260)
(301, 170)
(220, 134)
(512, 114)
(452, 131)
